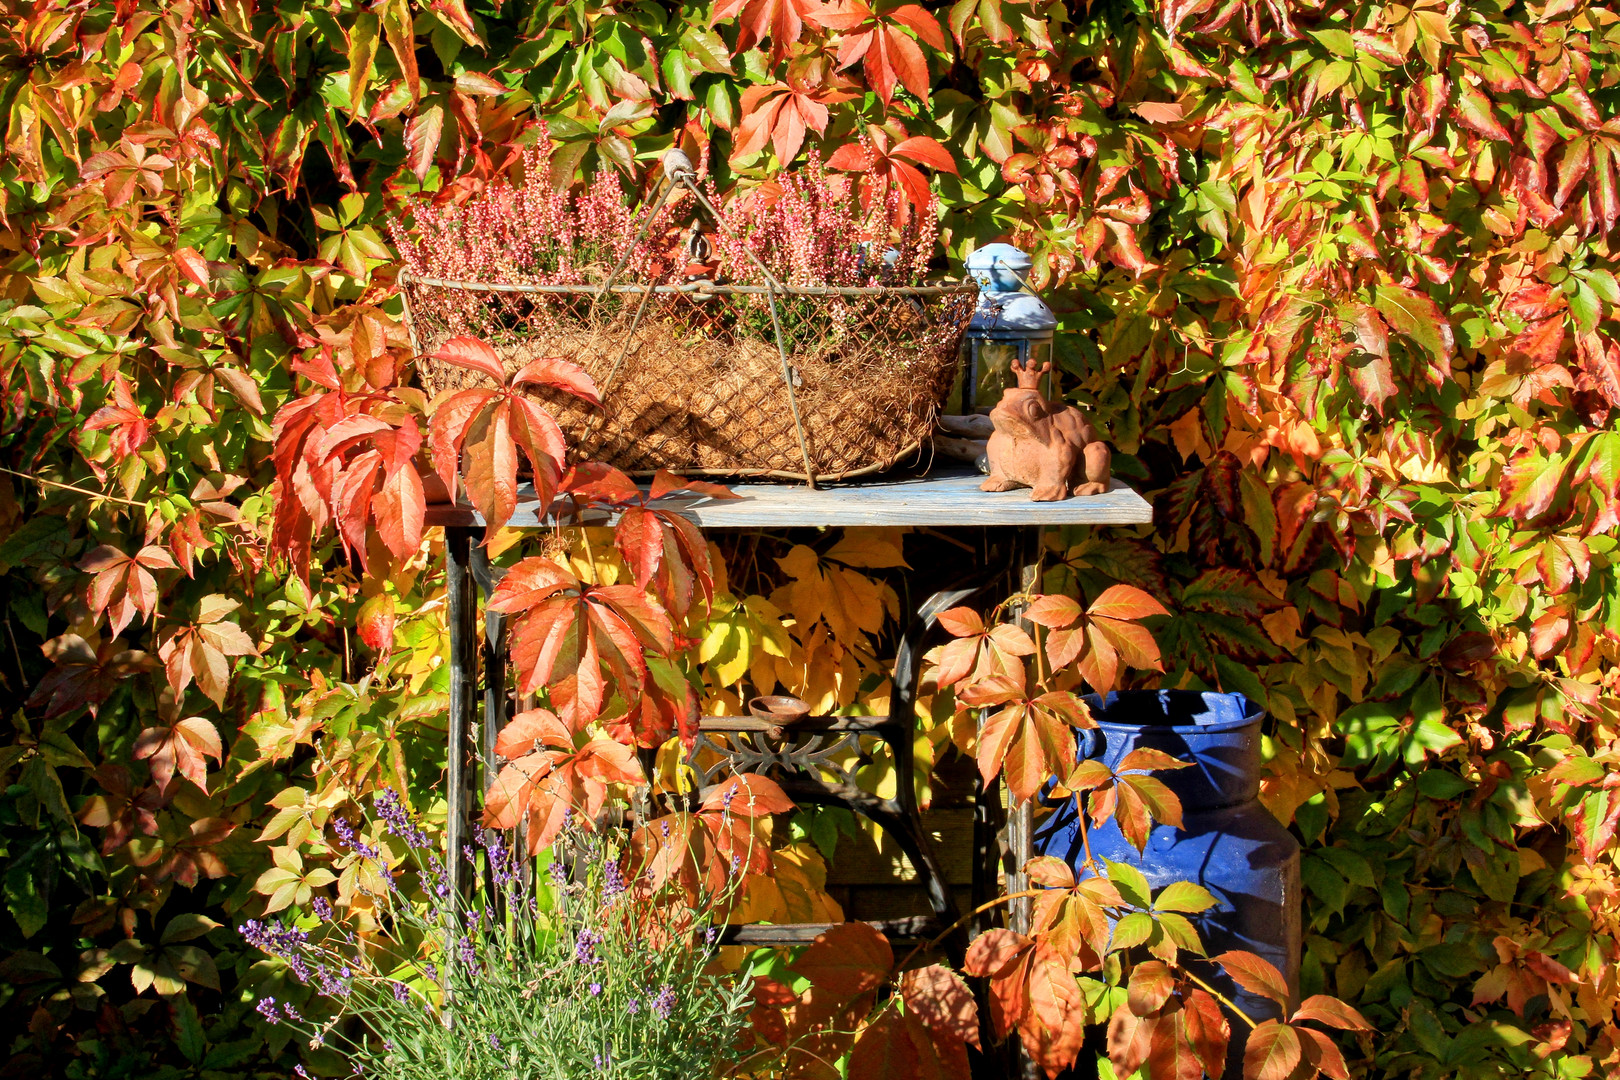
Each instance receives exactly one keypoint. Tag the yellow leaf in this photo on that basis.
(715, 639)
(1283, 628)
(762, 671)
(872, 549)
(858, 600)
(722, 579)
(288, 859)
(808, 599)
(503, 540)
(734, 662)
(773, 635)
(801, 881)
(801, 562)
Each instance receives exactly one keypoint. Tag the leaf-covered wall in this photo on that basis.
(1338, 279)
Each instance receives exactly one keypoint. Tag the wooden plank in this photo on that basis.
(948, 496)
(883, 902)
(859, 860)
(906, 928)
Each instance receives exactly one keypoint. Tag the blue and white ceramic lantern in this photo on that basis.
(1228, 842)
(1010, 324)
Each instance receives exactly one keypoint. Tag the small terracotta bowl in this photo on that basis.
(780, 709)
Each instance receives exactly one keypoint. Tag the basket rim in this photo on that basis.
(406, 277)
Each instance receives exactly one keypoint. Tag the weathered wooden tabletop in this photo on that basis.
(945, 497)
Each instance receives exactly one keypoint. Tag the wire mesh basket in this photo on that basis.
(723, 380)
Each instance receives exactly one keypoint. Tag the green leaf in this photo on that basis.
(1337, 42)
(1325, 883)
(1334, 76)
(186, 927)
(1185, 896)
(363, 36)
(1442, 785)
(1604, 285)
(27, 891)
(1585, 306)
(1235, 676)
(1180, 930)
(1131, 931)
(188, 1029)
(1131, 883)
(1353, 866)
(1475, 112)
(40, 778)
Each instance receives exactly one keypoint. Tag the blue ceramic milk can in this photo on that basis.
(1228, 843)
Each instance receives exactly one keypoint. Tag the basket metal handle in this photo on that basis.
(678, 170)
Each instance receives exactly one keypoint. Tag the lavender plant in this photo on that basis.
(568, 972)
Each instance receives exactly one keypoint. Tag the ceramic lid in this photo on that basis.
(1000, 267)
(998, 254)
(1012, 311)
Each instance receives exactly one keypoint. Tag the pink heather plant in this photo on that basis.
(808, 229)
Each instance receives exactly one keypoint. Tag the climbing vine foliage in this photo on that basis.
(1337, 279)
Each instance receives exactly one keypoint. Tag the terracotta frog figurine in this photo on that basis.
(1043, 444)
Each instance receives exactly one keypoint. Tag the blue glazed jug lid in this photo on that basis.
(1201, 710)
(999, 268)
(999, 254)
(1012, 311)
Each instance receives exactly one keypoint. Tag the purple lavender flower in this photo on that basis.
(299, 967)
(402, 993)
(267, 1009)
(292, 1013)
(397, 820)
(633, 1007)
(596, 989)
(298, 1071)
(664, 1003)
(494, 1043)
(322, 908)
(558, 874)
(431, 971)
(277, 940)
(585, 943)
(502, 866)
(332, 986)
(469, 955)
(351, 840)
(612, 881)
(437, 876)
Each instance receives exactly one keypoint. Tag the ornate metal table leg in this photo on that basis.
(462, 604)
(1021, 817)
(495, 645)
(903, 704)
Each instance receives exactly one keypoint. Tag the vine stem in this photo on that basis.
(76, 490)
(959, 923)
(1085, 834)
(1222, 998)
